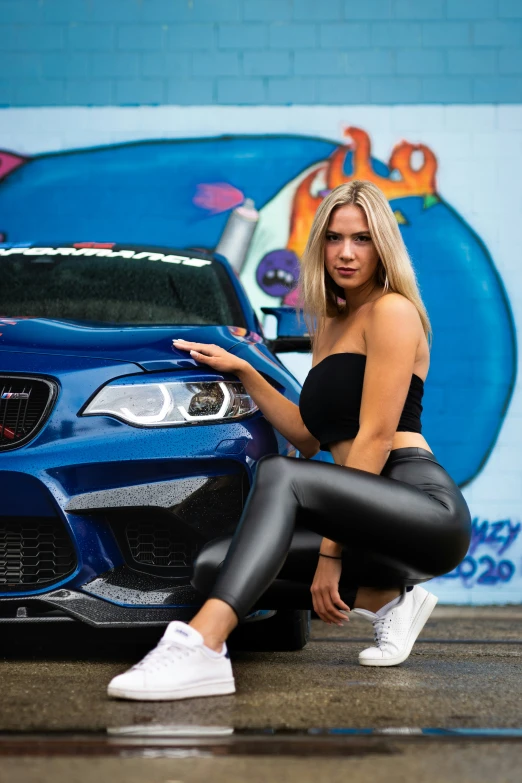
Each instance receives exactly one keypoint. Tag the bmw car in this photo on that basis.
(120, 456)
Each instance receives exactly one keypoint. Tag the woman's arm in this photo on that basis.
(392, 336)
(280, 412)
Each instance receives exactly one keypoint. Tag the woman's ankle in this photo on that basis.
(212, 639)
(214, 621)
(373, 600)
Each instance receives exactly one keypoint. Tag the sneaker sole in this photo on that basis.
(425, 609)
(221, 688)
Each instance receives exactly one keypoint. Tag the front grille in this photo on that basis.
(25, 404)
(34, 552)
(160, 544)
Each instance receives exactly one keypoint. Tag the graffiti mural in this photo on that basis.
(192, 193)
(252, 197)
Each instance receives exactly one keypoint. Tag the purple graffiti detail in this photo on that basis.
(482, 571)
(277, 272)
(478, 534)
(514, 530)
(487, 569)
(497, 535)
(217, 197)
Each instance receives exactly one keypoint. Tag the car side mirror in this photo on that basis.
(285, 330)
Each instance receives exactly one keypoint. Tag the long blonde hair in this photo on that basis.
(319, 294)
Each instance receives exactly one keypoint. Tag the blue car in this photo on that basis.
(120, 456)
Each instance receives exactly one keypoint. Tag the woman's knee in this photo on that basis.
(275, 469)
(208, 564)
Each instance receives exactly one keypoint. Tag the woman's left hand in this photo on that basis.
(325, 592)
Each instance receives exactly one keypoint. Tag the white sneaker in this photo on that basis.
(179, 667)
(397, 630)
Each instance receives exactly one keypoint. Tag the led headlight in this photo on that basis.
(170, 404)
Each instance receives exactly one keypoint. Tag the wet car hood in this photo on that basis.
(149, 346)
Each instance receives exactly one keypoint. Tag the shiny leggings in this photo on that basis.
(399, 528)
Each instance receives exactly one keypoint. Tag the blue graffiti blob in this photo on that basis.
(148, 192)
(473, 358)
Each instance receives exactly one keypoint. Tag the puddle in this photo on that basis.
(367, 640)
(169, 730)
(183, 741)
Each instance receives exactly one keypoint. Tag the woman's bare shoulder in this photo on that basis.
(393, 318)
(393, 310)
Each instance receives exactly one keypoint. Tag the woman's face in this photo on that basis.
(351, 258)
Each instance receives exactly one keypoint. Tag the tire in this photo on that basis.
(288, 629)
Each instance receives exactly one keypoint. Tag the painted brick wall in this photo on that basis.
(129, 52)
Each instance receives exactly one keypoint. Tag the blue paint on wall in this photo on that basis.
(144, 192)
(473, 358)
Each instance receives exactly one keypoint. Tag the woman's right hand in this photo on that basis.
(213, 355)
(282, 413)
(325, 592)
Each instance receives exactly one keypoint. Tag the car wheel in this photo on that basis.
(286, 629)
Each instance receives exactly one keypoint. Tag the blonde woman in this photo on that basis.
(386, 516)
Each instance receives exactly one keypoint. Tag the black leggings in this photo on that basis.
(402, 527)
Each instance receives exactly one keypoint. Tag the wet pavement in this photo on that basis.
(467, 763)
(465, 673)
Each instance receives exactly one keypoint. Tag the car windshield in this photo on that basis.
(117, 286)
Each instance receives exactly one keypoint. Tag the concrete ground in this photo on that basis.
(465, 672)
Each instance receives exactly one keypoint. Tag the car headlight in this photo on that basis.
(170, 404)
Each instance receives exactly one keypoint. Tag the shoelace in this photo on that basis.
(381, 626)
(163, 655)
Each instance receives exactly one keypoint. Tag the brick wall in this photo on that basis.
(130, 52)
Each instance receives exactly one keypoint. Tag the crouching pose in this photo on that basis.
(386, 516)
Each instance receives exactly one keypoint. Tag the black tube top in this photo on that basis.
(331, 397)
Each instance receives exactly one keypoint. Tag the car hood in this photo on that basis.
(149, 346)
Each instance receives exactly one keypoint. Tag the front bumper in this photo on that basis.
(92, 477)
(130, 546)
(121, 598)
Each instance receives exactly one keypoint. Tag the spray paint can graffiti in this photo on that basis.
(237, 234)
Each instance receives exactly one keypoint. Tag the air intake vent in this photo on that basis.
(155, 543)
(160, 544)
(34, 552)
(25, 404)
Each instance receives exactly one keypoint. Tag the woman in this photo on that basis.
(388, 514)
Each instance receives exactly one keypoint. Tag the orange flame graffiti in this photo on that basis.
(412, 182)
